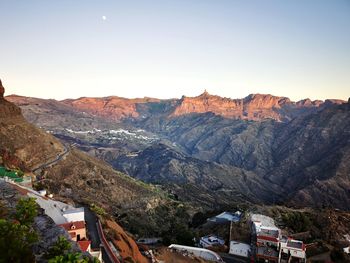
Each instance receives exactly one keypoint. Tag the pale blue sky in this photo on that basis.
(61, 49)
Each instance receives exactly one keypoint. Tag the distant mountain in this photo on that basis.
(252, 107)
(212, 150)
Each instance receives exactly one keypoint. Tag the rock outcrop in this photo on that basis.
(2, 90)
(7, 109)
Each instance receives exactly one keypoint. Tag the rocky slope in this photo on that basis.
(207, 183)
(22, 145)
(260, 148)
(77, 177)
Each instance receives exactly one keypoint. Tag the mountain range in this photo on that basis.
(210, 150)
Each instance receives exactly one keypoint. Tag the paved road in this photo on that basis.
(58, 158)
(91, 219)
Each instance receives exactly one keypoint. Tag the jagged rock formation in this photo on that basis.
(252, 107)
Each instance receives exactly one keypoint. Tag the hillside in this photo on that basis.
(260, 149)
(78, 178)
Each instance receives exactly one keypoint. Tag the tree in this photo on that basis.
(16, 241)
(26, 211)
(72, 258)
(61, 247)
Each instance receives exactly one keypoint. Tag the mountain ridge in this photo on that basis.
(252, 107)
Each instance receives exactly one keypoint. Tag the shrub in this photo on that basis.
(26, 211)
(297, 221)
(98, 210)
(61, 247)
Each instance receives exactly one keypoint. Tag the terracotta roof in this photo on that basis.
(84, 245)
(73, 225)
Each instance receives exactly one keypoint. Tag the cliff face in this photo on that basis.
(253, 107)
(2, 90)
(110, 107)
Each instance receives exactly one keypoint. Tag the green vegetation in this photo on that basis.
(297, 221)
(97, 209)
(62, 246)
(70, 258)
(17, 175)
(17, 233)
(26, 211)
(60, 253)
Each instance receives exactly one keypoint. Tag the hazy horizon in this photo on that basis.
(166, 49)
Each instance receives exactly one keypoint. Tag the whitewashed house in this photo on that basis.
(239, 249)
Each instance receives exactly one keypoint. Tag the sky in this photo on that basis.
(68, 49)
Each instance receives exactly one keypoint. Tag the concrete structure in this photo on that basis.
(75, 214)
(239, 249)
(85, 246)
(60, 212)
(226, 217)
(198, 252)
(264, 220)
(211, 241)
(293, 250)
(271, 246)
(42, 192)
(76, 230)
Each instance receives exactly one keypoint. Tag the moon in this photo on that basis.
(104, 18)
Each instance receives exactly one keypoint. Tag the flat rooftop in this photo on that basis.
(264, 220)
(295, 244)
(269, 232)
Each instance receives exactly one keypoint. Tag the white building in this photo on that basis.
(211, 241)
(292, 248)
(198, 252)
(85, 246)
(239, 249)
(226, 217)
(73, 215)
(42, 192)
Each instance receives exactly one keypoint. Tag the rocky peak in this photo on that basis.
(205, 94)
(7, 109)
(2, 90)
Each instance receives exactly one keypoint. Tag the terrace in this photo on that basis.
(13, 175)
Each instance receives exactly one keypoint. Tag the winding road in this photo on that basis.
(58, 158)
